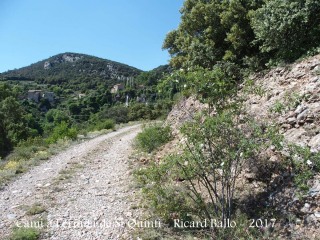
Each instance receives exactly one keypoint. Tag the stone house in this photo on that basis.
(81, 95)
(37, 95)
(34, 95)
(49, 96)
(116, 88)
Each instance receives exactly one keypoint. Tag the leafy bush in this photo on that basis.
(287, 29)
(62, 131)
(26, 149)
(304, 165)
(200, 183)
(165, 198)
(13, 126)
(140, 111)
(118, 113)
(214, 86)
(278, 107)
(214, 155)
(25, 234)
(153, 137)
(106, 124)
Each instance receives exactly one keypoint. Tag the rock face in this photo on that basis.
(67, 57)
(290, 96)
(184, 111)
(47, 65)
(71, 57)
(109, 69)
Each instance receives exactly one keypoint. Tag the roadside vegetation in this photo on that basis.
(152, 137)
(25, 234)
(217, 45)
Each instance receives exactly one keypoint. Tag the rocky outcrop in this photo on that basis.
(290, 97)
(67, 57)
(185, 110)
(47, 65)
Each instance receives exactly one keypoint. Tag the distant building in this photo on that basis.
(49, 96)
(81, 95)
(116, 88)
(34, 95)
(141, 99)
(141, 86)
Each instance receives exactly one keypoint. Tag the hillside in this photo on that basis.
(75, 71)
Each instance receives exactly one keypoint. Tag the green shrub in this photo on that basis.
(200, 182)
(305, 165)
(118, 113)
(36, 208)
(106, 124)
(153, 137)
(62, 131)
(27, 149)
(278, 107)
(215, 152)
(140, 111)
(25, 234)
(164, 196)
(287, 29)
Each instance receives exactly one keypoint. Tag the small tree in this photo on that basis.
(216, 152)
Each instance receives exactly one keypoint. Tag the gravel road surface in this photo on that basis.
(81, 193)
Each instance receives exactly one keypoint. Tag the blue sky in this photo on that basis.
(127, 31)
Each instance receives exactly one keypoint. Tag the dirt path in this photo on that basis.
(85, 192)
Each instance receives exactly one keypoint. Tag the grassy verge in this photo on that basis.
(25, 234)
(152, 137)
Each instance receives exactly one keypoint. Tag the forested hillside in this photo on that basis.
(70, 93)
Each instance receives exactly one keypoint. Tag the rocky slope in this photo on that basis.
(290, 96)
(182, 112)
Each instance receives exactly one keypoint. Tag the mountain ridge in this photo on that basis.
(74, 69)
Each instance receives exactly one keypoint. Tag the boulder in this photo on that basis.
(314, 143)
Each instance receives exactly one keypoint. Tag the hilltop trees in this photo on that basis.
(287, 29)
(4, 141)
(243, 32)
(211, 31)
